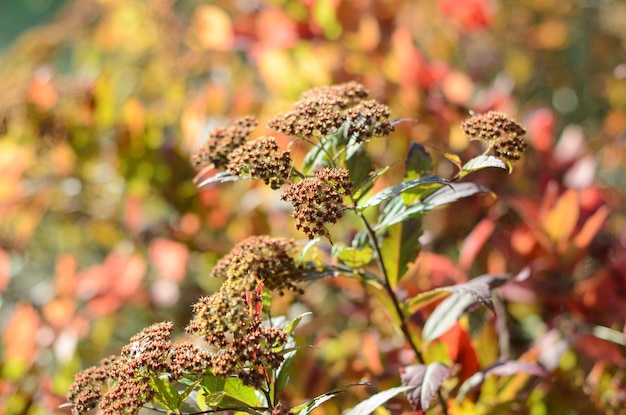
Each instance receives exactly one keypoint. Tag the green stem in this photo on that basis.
(394, 299)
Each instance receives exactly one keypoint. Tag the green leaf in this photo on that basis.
(410, 246)
(212, 383)
(353, 257)
(369, 405)
(307, 407)
(481, 162)
(359, 165)
(308, 249)
(221, 177)
(166, 394)
(418, 161)
(446, 194)
(398, 189)
(283, 374)
(238, 393)
(361, 189)
(289, 328)
(422, 299)
(446, 315)
(324, 153)
(479, 288)
(400, 247)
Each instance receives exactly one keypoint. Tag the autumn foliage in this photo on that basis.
(436, 188)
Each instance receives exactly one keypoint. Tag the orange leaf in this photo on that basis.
(65, 275)
(591, 227)
(475, 242)
(371, 353)
(20, 335)
(60, 311)
(5, 269)
(560, 222)
(213, 28)
(461, 350)
(169, 258)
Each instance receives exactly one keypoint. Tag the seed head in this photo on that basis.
(222, 141)
(321, 111)
(318, 200)
(261, 159)
(502, 133)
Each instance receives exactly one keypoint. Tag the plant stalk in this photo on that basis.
(394, 299)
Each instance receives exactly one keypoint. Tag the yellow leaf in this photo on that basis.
(560, 222)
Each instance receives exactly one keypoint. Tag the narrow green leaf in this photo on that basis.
(307, 407)
(482, 162)
(289, 328)
(325, 153)
(369, 405)
(283, 373)
(361, 189)
(221, 177)
(446, 315)
(410, 246)
(398, 189)
(359, 165)
(422, 299)
(446, 194)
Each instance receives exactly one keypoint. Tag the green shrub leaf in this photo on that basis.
(370, 404)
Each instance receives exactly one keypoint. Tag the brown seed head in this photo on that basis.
(261, 159)
(318, 200)
(222, 141)
(321, 111)
(504, 134)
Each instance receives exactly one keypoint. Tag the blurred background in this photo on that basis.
(102, 231)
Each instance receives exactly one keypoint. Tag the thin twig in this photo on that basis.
(394, 299)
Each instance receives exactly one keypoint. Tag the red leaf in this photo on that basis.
(461, 350)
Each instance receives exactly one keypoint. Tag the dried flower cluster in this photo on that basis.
(318, 200)
(321, 111)
(149, 354)
(246, 348)
(267, 259)
(222, 141)
(503, 134)
(261, 159)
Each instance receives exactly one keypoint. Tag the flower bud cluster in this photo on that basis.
(126, 378)
(267, 259)
(318, 200)
(222, 141)
(246, 348)
(504, 135)
(323, 110)
(261, 159)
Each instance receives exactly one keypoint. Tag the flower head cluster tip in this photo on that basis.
(149, 354)
(263, 258)
(323, 110)
(222, 141)
(318, 200)
(247, 349)
(504, 135)
(261, 159)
